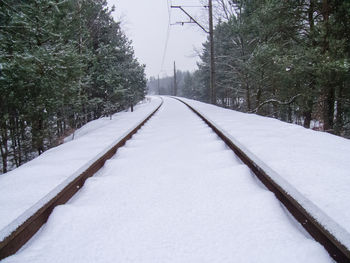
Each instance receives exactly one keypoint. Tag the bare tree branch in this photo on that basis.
(290, 101)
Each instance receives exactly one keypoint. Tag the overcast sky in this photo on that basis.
(145, 22)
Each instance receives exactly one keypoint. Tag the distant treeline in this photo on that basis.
(285, 59)
(165, 85)
(62, 64)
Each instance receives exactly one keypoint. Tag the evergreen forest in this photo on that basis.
(62, 64)
(66, 62)
(284, 59)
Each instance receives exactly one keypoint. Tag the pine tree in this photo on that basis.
(62, 63)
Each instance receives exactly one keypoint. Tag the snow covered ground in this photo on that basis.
(317, 164)
(174, 193)
(28, 187)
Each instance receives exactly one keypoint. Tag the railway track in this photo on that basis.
(12, 243)
(335, 249)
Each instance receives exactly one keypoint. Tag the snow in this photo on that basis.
(174, 193)
(312, 166)
(30, 186)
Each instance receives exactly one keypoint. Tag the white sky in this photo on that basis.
(146, 22)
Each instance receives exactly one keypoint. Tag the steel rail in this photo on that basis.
(334, 247)
(12, 243)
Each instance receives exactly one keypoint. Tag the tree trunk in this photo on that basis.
(328, 110)
(37, 134)
(309, 101)
(248, 97)
(308, 113)
(290, 120)
(307, 119)
(4, 155)
(328, 89)
(339, 121)
(4, 148)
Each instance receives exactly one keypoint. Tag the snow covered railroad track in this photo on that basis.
(13, 242)
(320, 233)
(174, 193)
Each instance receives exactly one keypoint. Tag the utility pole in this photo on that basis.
(175, 84)
(158, 86)
(212, 55)
(211, 42)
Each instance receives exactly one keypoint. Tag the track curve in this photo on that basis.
(174, 193)
(335, 248)
(13, 242)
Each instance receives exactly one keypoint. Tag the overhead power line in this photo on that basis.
(167, 37)
(192, 20)
(194, 6)
(211, 41)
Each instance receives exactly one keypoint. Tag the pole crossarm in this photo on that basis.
(182, 23)
(192, 20)
(211, 41)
